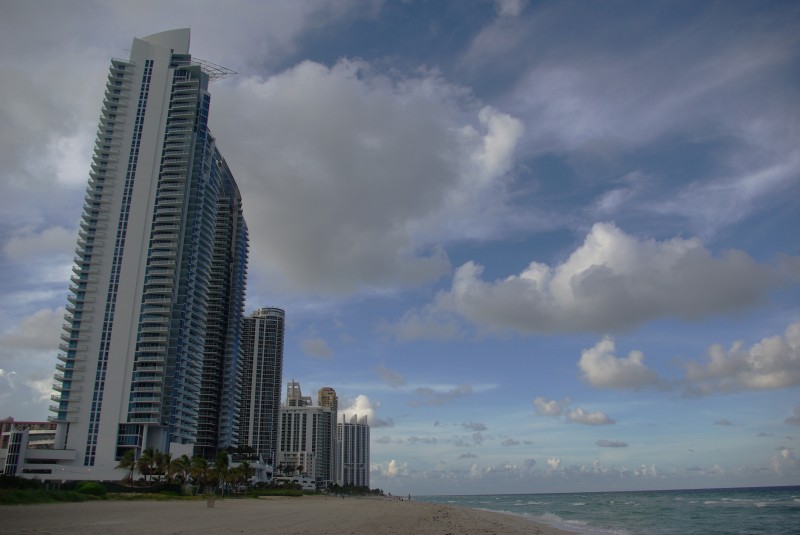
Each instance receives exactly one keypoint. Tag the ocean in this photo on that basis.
(741, 511)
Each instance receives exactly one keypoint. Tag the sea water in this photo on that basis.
(741, 511)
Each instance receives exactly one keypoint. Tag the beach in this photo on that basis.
(307, 515)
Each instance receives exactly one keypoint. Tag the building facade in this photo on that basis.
(262, 370)
(23, 445)
(151, 352)
(304, 440)
(354, 443)
(326, 397)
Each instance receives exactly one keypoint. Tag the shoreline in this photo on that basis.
(307, 515)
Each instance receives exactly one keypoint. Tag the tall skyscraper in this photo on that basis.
(326, 397)
(151, 339)
(354, 444)
(262, 369)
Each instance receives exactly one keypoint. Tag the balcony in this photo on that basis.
(61, 388)
(75, 368)
(59, 399)
(60, 377)
(60, 419)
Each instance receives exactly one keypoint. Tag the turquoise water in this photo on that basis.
(744, 511)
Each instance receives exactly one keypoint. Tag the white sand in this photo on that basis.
(307, 515)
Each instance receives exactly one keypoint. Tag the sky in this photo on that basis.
(543, 246)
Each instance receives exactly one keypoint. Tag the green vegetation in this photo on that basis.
(16, 491)
(92, 488)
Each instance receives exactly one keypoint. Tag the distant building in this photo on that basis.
(326, 397)
(22, 445)
(354, 443)
(305, 440)
(262, 369)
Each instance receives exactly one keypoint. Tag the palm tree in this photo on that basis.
(161, 464)
(128, 462)
(221, 469)
(146, 463)
(246, 473)
(200, 472)
(180, 468)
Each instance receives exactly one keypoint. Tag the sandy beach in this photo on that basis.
(308, 515)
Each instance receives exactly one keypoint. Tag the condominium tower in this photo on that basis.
(262, 369)
(305, 442)
(354, 443)
(151, 352)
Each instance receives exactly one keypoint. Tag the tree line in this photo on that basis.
(158, 467)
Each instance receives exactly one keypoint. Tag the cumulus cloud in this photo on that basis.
(602, 369)
(551, 407)
(772, 363)
(362, 406)
(553, 463)
(576, 414)
(316, 347)
(390, 377)
(361, 126)
(431, 396)
(723, 422)
(794, 420)
(784, 461)
(613, 281)
(611, 444)
(581, 416)
(390, 469)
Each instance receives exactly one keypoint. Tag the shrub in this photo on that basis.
(91, 487)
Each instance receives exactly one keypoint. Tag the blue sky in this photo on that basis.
(545, 246)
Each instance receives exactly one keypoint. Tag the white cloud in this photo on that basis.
(390, 469)
(613, 281)
(362, 214)
(553, 463)
(772, 363)
(581, 416)
(602, 369)
(362, 406)
(784, 461)
(316, 347)
(576, 414)
(551, 407)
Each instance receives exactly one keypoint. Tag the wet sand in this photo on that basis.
(307, 515)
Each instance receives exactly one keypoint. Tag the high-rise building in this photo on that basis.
(151, 352)
(326, 397)
(304, 441)
(262, 369)
(354, 444)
